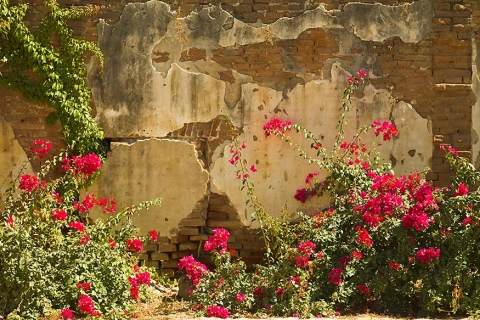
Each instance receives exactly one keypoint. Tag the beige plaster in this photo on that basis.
(153, 168)
(315, 106)
(13, 159)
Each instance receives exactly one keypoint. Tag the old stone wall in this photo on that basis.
(174, 69)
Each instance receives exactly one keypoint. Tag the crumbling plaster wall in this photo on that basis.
(162, 72)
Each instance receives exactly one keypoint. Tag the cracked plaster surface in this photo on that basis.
(148, 169)
(12, 156)
(137, 97)
(281, 172)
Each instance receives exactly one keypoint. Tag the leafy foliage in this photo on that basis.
(51, 73)
(53, 257)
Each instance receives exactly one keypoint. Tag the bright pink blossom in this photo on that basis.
(195, 270)
(59, 214)
(386, 128)
(153, 235)
(362, 73)
(301, 262)
(135, 245)
(84, 238)
(77, 225)
(467, 221)
(276, 127)
(253, 168)
(357, 255)
(219, 239)
(87, 164)
(85, 286)
(306, 247)
(86, 305)
(29, 183)
(239, 297)
(394, 265)
(363, 237)
(10, 221)
(67, 314)
(41, 148)
(217, 311)
(427, 255)
(363, 289)
(461, 191)
(335, 276)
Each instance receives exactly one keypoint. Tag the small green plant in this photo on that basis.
(52, 74)
(53, 257)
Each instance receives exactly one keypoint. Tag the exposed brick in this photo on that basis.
(167, 247)
(159, 256)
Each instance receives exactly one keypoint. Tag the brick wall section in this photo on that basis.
(434, 75)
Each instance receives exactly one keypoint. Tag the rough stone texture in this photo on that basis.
(12, 156)
(148, 169)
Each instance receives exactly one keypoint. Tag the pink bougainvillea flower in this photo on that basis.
(59, 215)
(253, 168)
(362, 73)
(153, 235)
(195, 270)
(77, 225)
(394, 265)
(217, 311)
(357, 255)
(276, 127)
(306, 247)
(10, 221)
(41, 148)
(363, 289)
(427, 255)
(86, 305)
(135, 245)
(335, 276)
(112, 243)
(363, 237)
(239, 297)
(28, 183)
(219, 239)
(279, 291)
(67, 314)
(467, 221)
(84, 238)
(461, 191)
(134, 292)
(87, 164)
(301, 262)
(388, 129)
(85, 286)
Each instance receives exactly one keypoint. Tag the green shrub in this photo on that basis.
(52, 259)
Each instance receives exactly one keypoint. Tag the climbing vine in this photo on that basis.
(51, 73)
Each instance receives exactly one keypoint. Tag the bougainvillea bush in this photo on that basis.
(390, 244)
(53, 257)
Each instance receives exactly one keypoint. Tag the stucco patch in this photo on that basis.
(149, 169)
(316, 107)
(12, 156)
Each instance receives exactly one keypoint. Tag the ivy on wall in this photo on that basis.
(47, 65)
